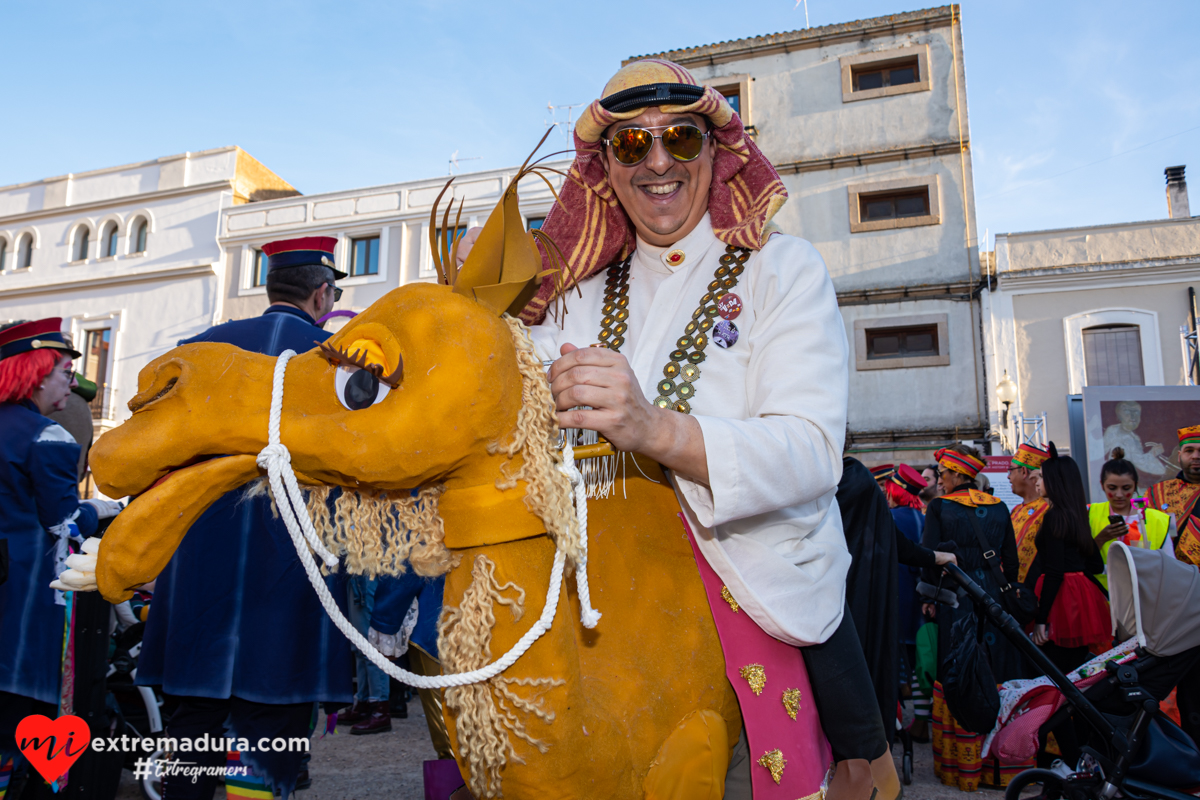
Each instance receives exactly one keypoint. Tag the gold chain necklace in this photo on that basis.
(683, 367)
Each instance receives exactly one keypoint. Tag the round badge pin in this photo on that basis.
(675, 257)
(729, 306)
(725, 334)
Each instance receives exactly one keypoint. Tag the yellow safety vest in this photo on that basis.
(1157, 525)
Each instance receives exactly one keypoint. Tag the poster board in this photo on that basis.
(997, 474)
(1143, 421)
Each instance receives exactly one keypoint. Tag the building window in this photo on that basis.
(25, 252)
(1112, 356)
(141, 230)
(3, 254)
(873, 76)
(457, 233)
(535, 223)
(894, 205)
(82, 240)
(110, 240)
(915, 340)
(259, 277)
(919, 340)
(885, 73)
(364, 256)
(904, 203)
(95, 366)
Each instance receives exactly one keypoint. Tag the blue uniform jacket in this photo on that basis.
(910, 523)
(233, 614)
(38, 497)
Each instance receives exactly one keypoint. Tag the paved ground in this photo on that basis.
(387, 766)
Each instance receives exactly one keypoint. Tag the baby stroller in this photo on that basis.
(1127, 747)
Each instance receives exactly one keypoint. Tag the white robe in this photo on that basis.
(772, 409)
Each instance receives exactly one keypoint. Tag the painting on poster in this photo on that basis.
(1142, 421)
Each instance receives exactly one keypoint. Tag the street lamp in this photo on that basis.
(1006, 392)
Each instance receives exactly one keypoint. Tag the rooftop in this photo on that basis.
(809, 37)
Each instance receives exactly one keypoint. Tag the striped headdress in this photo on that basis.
(1189, 435)
(959, 462)
(1030, 457)
(588, 223)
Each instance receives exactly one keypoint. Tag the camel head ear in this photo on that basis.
(504, 268)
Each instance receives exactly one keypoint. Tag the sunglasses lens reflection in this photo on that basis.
(632, 145)
(683, 141)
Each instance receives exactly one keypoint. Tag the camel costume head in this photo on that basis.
(436, 388)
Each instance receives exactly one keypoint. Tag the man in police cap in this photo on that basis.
(235, 630)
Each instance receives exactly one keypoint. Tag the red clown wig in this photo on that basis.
(21, 374)
(901, 497)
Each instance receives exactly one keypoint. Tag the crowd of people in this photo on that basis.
(1053, 544)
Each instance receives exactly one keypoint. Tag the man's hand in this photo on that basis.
(941, 559)
(602, 379)
(1040, 635)
(1110, 533)
(105, 509)
(466, 243)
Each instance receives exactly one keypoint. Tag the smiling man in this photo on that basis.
(706, 343)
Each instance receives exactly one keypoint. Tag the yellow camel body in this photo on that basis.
(637, 707)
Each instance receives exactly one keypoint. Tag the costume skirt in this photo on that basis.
(1079, 616)
(957, 759)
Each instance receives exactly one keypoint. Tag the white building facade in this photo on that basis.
(127, 256)
(1093, 306)
(382, 233)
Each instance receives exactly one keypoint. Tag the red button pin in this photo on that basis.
(729, 306)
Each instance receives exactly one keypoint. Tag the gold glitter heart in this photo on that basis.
(756, 676)
(774, 761)
(727, 596)
(791, 701)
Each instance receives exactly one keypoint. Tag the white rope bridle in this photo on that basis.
(277, 461)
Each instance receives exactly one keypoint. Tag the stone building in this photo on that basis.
(867, 123)
(1093, 306)
(127, 256)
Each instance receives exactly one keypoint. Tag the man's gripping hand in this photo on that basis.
(602, 380)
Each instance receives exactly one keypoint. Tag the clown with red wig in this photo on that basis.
(42, 518)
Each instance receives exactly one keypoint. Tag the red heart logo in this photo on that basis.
(52, 745)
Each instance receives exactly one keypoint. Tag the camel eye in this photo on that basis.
(358, 388)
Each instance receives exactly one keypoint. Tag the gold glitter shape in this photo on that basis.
(756, 676)
(774, 761)
(728, 598)
(791, 701)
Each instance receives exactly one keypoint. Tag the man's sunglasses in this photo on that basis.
(631, 145)
(337, 292)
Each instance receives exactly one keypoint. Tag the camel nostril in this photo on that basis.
(163, 385)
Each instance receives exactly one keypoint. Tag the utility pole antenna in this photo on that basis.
(568, 124)
(454, 159)
(798, 2)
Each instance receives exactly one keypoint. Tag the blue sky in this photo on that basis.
(338, 95)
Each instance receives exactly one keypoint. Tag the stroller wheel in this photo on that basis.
(906, 767)
(1051, 783)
